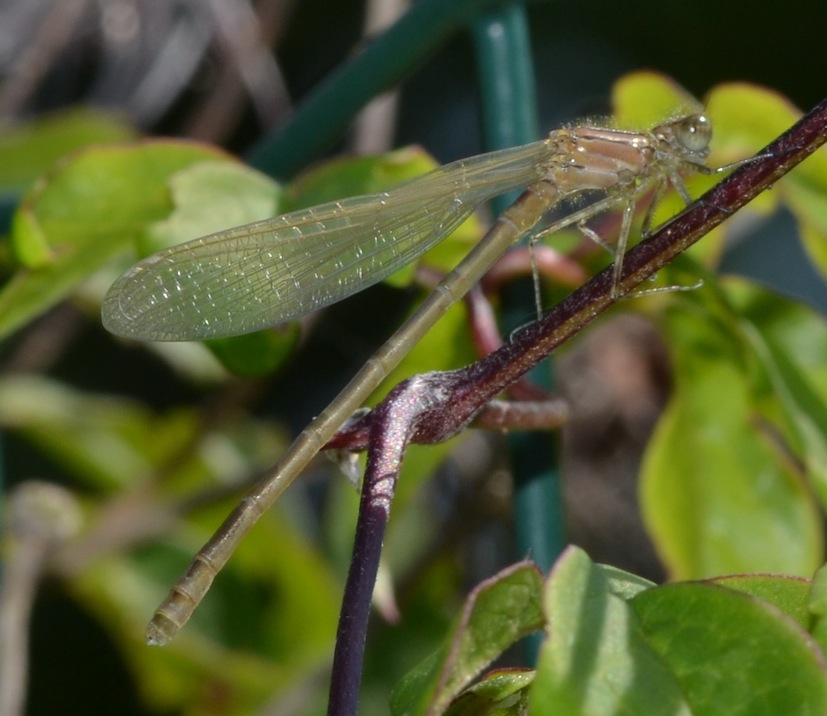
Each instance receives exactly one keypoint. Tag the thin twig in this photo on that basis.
(41, 517)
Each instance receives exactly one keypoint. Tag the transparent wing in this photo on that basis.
(269, 272)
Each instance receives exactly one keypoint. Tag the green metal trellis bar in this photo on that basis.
(510, 118)
(325, 115)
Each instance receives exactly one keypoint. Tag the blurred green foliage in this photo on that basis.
(733, 481)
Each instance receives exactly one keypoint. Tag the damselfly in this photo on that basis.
(255, 276)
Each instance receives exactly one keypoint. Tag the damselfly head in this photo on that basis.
(690, 135)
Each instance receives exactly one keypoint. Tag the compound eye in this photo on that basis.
(694, 133)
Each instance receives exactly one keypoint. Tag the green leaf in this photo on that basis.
(499, 693)
(817, 607)
(498, 612)
(211, 196)
(748, 116)
(733, 654)
(789, 595)
(642, 99)
(256, 354)
(622, 583)
(718, 494)
(105, 195)
(789, 340)
(737, 645)
(29, 150)
(596, 659)
(89, 211)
